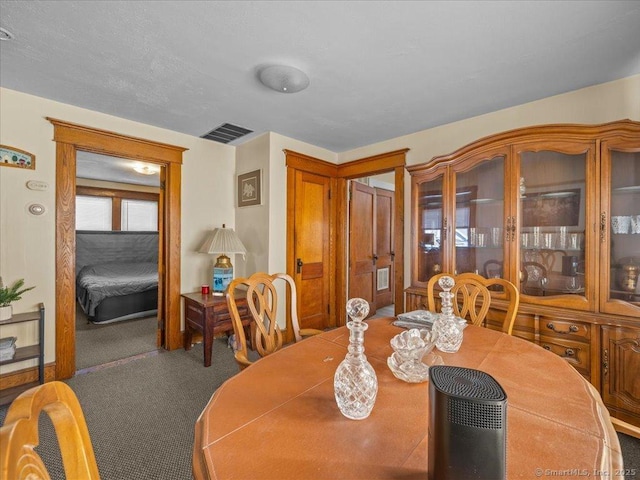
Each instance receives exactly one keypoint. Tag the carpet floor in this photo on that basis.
(98, 344)
(141, 414)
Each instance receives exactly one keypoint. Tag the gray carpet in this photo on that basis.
(97, 344)
(141, 415)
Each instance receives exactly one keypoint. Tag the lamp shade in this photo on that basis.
(223, 240)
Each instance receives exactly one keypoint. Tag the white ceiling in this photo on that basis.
(378, 70)
(95, 166)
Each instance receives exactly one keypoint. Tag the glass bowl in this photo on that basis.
(411, 345)
(409, 349)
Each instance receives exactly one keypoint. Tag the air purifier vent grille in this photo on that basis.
(472, 414)
(467, 383)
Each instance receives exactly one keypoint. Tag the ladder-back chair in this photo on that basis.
(262, 301)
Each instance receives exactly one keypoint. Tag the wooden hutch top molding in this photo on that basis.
(539, 132)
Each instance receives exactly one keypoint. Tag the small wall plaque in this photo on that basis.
(14, 157)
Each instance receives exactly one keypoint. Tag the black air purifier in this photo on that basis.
(467, 425)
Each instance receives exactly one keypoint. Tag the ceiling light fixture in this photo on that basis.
(145, 169)
(284, 79)
(5, 34)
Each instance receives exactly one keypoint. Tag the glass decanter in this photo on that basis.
(355, 383)
(447, 327)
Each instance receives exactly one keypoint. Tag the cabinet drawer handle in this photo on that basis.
(572, 328)
(546, 347)
(569, 352)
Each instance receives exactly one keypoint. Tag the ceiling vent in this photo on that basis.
(226, 133)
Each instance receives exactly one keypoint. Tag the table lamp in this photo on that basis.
(224, 241)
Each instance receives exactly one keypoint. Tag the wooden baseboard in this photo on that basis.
(25, 376)
(626, 428)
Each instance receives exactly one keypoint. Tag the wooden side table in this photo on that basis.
(209, 315)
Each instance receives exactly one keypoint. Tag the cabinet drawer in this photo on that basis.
(194, 312)
(565, 328)
(576, 353)
(523, 326)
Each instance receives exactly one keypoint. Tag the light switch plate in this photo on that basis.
(37, 185)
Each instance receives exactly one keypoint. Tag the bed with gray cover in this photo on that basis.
(117, 274)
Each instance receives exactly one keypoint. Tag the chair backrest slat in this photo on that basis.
(262, 301)
(19, 434)
(473, 294)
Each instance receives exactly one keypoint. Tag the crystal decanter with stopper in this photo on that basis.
(447, 326)
(355, 383)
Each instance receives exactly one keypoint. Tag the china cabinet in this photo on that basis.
(555, 209)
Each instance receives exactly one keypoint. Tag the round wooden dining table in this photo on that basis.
(278, 419)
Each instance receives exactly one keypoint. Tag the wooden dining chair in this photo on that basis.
(550, 258)
(473, 295)
(19, 434)
(492, 268)
(262, 301)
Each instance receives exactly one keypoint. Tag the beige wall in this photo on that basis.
(252, 223)
(27, 243)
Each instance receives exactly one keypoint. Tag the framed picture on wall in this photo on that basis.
(250, 188)
(549, 209)
(14, 157)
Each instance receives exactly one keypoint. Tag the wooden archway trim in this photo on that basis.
(394, 161)
(69, 138)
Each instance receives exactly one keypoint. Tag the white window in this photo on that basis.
(139, 215)
(93, 213)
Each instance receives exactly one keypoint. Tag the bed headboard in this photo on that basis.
(96, 247)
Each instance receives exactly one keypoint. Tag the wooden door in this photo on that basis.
(384, 247)
(362, 245)
(311, 249)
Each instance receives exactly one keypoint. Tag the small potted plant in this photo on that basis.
(10, 294)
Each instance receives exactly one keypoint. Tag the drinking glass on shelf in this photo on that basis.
(544, 281)
(482, 240)
(473, 237)
(574, 243)
(536, 237)
(562, 238)
(620, 224)
(496, 236)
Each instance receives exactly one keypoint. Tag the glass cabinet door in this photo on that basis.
(552, 223)
(620, 223)
(479, 219)
(429, 226)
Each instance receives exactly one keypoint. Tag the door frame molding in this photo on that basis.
(69, 138)
(394, 161)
